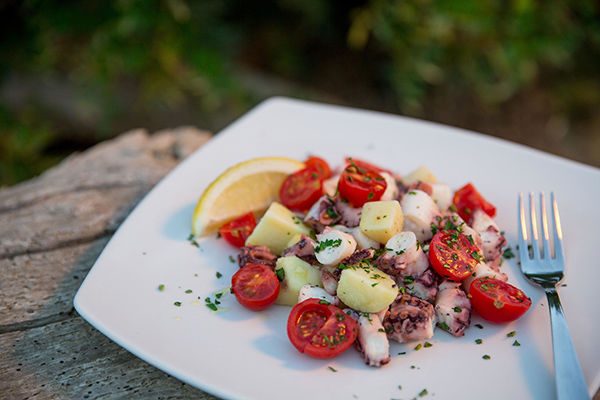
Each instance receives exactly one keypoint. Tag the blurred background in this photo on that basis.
(73, 73)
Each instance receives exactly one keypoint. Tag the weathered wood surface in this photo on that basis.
(52, 229)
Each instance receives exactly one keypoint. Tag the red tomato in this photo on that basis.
(366, 165)
(360, 184)
(320, 165)
(301, 189)
(467, 199)
(498, 301)
(237, 231)
(453, 255)
(255, 286)
(320, 329)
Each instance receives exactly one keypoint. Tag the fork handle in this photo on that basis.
(570, 383)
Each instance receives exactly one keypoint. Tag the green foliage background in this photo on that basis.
(131, 59)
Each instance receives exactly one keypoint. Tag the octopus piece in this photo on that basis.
(349, 216)
(256, 255)
(409, 319)
(330, 280)
(362, 240)
(441, 195)
(492, 240)
(358, 256)
(403, 256)
(420, 213)
(391, 189)
(304, 249)
(372, 342)
(424, 286)
(452, 308)
(330, 185)
(315, 292)
(333, 246)
(323, 213)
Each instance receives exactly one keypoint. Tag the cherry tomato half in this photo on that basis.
(300, 190)
(320, 165)
(453, 255)
(498, 301)
(467, 199)
(366, 165)
(359, 184)
(320, 329)
(237, 231)
(255, 286)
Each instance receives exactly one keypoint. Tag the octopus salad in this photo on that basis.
(364, 255)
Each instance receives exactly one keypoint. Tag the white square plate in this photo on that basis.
(246, 355)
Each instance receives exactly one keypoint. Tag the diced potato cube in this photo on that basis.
(366, 289)
(297, 273)
(422, 173)
(380, 220)
(295, 239)
(276, 228)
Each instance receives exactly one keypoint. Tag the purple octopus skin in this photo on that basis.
(304, 249)
(329, 281)
(257, 255)
(492, 240)
(349, 216)
(323, 213)
(399, 266)
(358, 256)
(424, 287)
(409, 319)
(453, 308)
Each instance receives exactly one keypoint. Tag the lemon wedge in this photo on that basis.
(248, 186)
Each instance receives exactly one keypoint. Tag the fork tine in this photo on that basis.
(558, 240)
(545, 237)
(535, 244)
(523, 252)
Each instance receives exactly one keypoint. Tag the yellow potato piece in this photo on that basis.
(422, 173)
(366, 289)
(276, 228)
(380, 220)
(297, 274)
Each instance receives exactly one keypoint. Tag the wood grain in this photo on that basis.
(52, 229)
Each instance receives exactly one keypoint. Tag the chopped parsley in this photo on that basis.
(427, 344)
(188, 291)
(401, 353)
(478, 341)
(486, 357)
(418, 347)
(457, 309)
(332, 369)
(192, 240)
(508, 253)
(327, 243)
(408, 279)
(218, 274)
(177, 304)
(423, 393)
(515, 343)
(511, 333)
(443, 326)
(161, 287)
(412, 192)
(280, 273)
(231, 259)
(370, 196)
(479, 326)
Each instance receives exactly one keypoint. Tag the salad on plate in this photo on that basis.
(363, 255)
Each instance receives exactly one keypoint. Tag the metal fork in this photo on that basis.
(547, 271)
